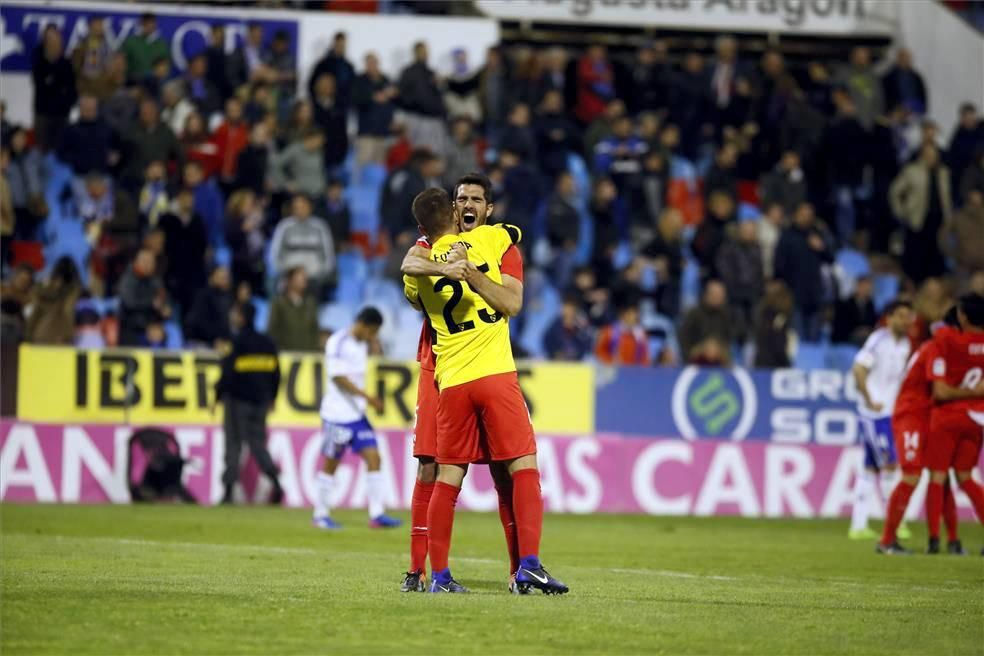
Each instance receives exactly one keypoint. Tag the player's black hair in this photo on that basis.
(972, 305)
(951, 317)
(895, 305)
(475, 178)
(370, 316)
(433, 211)
(248, 313)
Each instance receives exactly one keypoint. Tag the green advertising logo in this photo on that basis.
(714, 404)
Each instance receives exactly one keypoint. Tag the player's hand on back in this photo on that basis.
(458, 270)
(457, 253)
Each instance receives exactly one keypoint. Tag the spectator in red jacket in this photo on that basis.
(595, 84)
(230, 138)
(624, 342)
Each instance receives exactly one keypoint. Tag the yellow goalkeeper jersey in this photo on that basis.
(471, 339)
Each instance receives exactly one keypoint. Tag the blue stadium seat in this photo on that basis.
(582, 177)
(352, 274)
(262, 306)
(886, 288)
(690, 283)
(335, 316)
(372, 176)
(811, 356)
(540, 310)
(223, 256)
(841, 356)
(175, 338)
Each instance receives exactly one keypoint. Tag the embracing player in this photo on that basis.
(481, 410)
(910, 427)
(957, 421)
(878, 370)
(473, 208)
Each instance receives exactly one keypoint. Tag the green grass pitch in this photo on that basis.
(174, 579)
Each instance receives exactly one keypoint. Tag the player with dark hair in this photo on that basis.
(957, 421)
(481, 411)
(473, 207)
(343, 411)
(910, 427)
(878, 371)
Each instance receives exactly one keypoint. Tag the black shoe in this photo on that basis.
(414, 582)
(934, 546)
(955, 548)
(227, 496)
(894, 549)
(537, 577)
(277, 496)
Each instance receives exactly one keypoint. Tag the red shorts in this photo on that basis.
(425, 424)
(955, 442)
(484, 418)
(910, 431)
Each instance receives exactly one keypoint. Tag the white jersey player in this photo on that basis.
(879, 368)
(343, 415)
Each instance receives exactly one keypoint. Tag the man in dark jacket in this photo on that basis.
(803, 250)
(149, 140)
(402, 186)
(227, 71)
(201, 326)
(556, 135)
(785, 184)
(142, 299)
(421, 98)
(54, 89)
(372, 95)
(185, 243)
(712, 319)
(855, 317)
(739, 263)
(903, 85)
(967, 142)
(335, 64)
(88, 144)
(293, 324)
(248, 389)
(330, 115)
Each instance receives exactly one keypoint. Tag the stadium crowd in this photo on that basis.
(679, 207)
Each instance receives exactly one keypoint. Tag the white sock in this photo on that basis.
(863, 487)
(374, 493)
(322, 500)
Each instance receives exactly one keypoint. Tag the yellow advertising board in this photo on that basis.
(57, 384)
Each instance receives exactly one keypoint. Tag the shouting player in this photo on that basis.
(910, 426)
(343, 411)
(878, 370)
(473, 208)
(957, 422)
(481, 410)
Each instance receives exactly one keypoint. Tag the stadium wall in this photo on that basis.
(695, 441)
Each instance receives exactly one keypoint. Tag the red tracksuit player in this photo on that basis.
(910, 426)
(957, 422)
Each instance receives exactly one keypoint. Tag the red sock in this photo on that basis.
(440, 521)
(508, 519)
(528, 508)
(976, 494)
(418, 525)
(950, 512)
(934, 508)
(895, 511)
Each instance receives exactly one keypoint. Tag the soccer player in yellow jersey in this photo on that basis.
(481, 411)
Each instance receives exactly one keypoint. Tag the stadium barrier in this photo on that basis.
(133, 386)
(86, 463)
